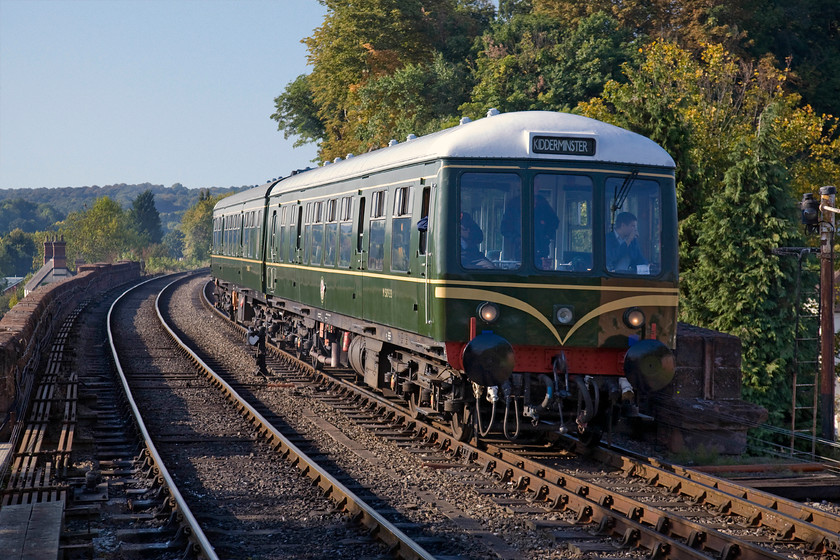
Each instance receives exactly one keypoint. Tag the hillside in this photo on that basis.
(171, 202)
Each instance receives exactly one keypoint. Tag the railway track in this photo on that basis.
(668, 511)
(455, 499)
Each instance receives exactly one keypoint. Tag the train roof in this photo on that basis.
(535, 135)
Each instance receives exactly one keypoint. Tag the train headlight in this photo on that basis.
(488, 312)
(564, 314)
(634, 318)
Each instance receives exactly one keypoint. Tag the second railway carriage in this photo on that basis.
(513, 274)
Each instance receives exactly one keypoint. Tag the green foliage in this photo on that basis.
(174, 242)
(16, 250)
(19, 213)
(197, 227)
(104, 233)
(54, 204)
(538, 62)
(737, 286)
(145, 218)
(361, 42)
(297, 114)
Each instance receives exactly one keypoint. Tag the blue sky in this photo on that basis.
(99, 92)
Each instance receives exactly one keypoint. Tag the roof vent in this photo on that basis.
(493, 112)
(410, 137)
(465, 120)
(392, 143)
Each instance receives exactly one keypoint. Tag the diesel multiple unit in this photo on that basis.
(516, 274)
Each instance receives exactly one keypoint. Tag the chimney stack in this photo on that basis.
(58, 254)
(48, 251)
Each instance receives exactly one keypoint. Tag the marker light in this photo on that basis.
(634, 318)
(563, 314)
(488, 312)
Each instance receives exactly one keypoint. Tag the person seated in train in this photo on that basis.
(471, 238)
(623, 252)
(545, 226)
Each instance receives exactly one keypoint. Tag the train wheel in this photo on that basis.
(414, 404)
(462, 424)
(590, 437)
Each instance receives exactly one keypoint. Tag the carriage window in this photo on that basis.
(345, 232)
(331, 241)
(376, 247)
(272, 238)
(633, 236)
(280, 224)
(317, 233)
(562, 219)
(401, 230)
(490, 220)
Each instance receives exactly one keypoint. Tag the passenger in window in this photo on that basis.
(623, 252)
(471, 238)
(545, 226)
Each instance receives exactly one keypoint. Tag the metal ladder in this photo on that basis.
(806, 362)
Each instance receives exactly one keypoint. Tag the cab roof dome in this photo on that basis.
(497, 136)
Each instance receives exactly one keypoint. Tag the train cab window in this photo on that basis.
(376, 246)
(331, 241)
(490, 220)
(562, 222)
(345, 233)
(401, 229)
(317, 233)
(633, 236)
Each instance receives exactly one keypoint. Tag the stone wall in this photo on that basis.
(702, 407)
(26, 331)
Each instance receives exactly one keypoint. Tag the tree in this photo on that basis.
(361, 42)
(28, 216)
(197, 227)
(102, 233)
(16, 252)
(736, 285)
(174, 243)
(145, 217)
(536, 62)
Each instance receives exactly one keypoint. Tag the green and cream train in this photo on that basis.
(513, 274)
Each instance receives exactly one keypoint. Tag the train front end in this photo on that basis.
(559, 286)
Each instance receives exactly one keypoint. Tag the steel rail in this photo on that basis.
(820, 529)
(620, 515)
(398, 542)
(194, 532)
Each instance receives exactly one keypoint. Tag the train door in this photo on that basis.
(378, 294)
(295, 250)
(424, 257)
(272, 251)
(360, 248)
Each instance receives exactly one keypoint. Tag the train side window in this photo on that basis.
(345, 233)
(401, 229)
(331, 241)
(360, 226)
(317, 233)
(272, 237)
(298, 234)
(280, 237)
(424, 218)
(376, 247)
